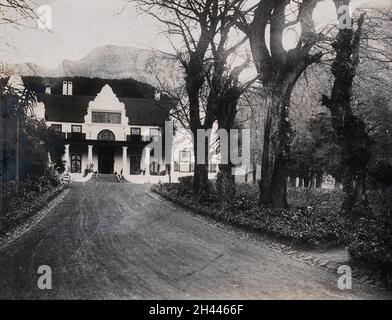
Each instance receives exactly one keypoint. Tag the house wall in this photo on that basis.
(106, 101)
(92, 131)
(183, 141)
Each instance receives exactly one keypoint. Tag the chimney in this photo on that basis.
(48, 90)
(67, 88)
(70, 88)
(157, 95)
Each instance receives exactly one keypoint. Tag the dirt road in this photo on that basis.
(109, 240)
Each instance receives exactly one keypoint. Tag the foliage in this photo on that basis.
(305, 225)
(314, 150)
(24, 199)
(185, 184)
(372, 244)
(185, 187)
(381, 203)
(381, 172)
(316, 198)
(38, 141)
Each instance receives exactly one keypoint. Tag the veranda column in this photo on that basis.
(66, 158)
(49, 159)
(125, 161)
(171, 166)
(90, 155)
(147, 161)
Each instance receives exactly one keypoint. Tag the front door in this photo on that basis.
(106, 160)
(134, 165)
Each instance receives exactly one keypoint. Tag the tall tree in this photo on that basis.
(203, 29)
(18, 102)
(352, 136)
(278, 70)
(227, 98)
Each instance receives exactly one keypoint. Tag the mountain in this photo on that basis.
(112, 62)
(32, 69)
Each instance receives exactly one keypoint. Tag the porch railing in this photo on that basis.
(139, 138)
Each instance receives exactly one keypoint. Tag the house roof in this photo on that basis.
(83, 86)
(65, 108)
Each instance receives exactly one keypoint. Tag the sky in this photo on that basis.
(79, 26)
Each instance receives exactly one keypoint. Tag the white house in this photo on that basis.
(106, 128)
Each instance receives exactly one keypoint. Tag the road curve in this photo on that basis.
(118, 241)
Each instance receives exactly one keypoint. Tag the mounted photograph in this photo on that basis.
(195, 150)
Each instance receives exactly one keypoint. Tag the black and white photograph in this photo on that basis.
(205, 151)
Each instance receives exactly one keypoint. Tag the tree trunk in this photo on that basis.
(225, 183)
(313, 182)
(306, 182)
(200, 182)
(17, 151)
(254, 174)
(352, 136)
(226, 113)
(276, 148)
(293, 181)
(319, 180)
(3, 146)
(278, 70)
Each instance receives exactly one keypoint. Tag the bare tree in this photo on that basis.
(353, 137)
(278, 70)
(227, 94)
(203, 29)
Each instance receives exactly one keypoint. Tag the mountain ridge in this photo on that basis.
(110, 62)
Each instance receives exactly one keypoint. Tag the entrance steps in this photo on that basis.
(105, 177)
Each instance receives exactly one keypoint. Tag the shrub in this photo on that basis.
(381, 202)
(299, 225)
(24, 199)
(315, 198)
(185, 184)
(247, 191)
(381, 172)
(372, 242)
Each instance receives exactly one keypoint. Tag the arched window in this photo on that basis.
(106, 135)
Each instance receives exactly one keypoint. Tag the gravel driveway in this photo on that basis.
(118, 241)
